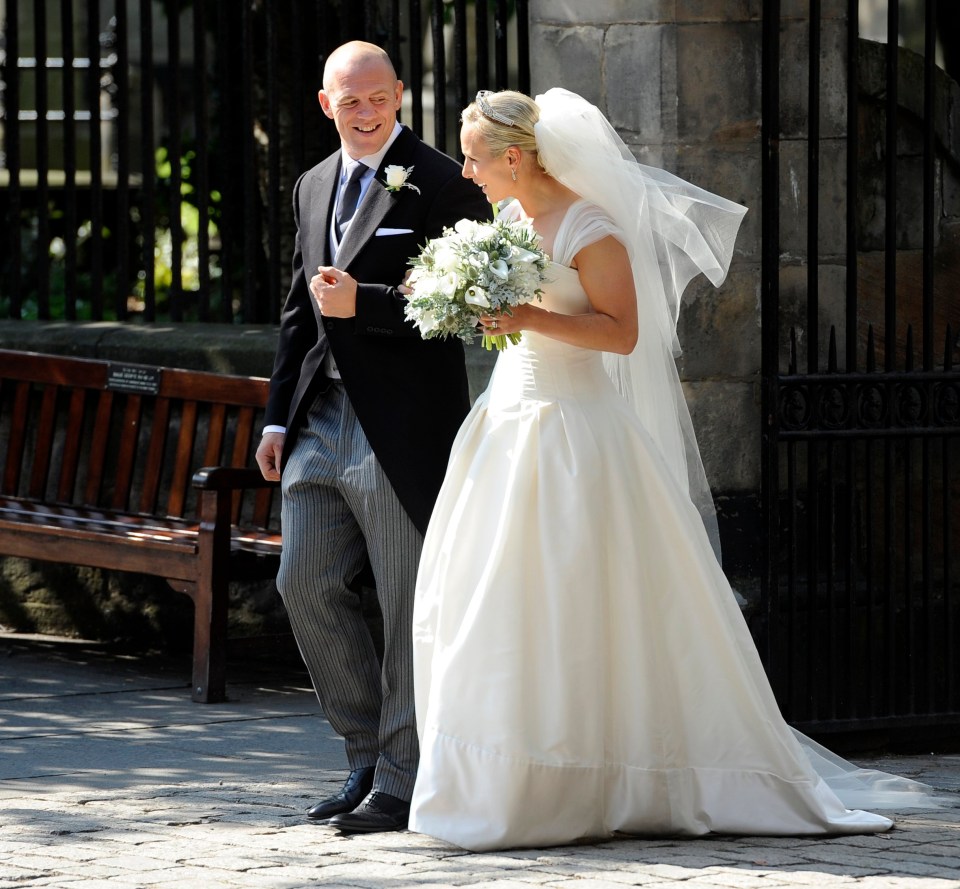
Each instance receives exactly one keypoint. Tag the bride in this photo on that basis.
(581, 665)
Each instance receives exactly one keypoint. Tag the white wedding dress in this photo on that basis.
(581, 664)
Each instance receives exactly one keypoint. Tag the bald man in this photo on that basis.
(361, 416)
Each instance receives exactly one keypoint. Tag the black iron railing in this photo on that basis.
(149, 148)
(861, 435)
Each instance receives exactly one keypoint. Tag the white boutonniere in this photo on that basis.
(396, 178)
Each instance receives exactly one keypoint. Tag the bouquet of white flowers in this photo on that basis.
(474, 269)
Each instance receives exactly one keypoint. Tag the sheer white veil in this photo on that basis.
(673, 231)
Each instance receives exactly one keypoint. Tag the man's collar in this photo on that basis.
(373, 161)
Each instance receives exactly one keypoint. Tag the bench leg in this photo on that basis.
(210, 643)
(210, 600)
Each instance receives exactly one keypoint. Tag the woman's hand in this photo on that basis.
(501, 324)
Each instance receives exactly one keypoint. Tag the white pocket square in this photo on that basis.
(393, 231)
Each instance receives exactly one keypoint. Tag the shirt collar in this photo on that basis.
(373, 161)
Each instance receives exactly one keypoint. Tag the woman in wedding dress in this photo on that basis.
(581, 664)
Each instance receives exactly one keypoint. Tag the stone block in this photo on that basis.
(719, 11)
(633, 70)
(718, 78)
(654, 154)
(794, 198)
(602, 12)
(719, 328)
(726, 418)
(872, 206)
(567, 57)
(800, 9)
(952, 139)
(951, 191)
(795, 79)
(246, 349)
(831, 300)
(730, 170)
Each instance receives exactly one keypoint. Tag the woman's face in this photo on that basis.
(492, 174)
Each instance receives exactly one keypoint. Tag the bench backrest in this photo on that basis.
(128, 437)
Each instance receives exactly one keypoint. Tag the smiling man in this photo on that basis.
(361, 416)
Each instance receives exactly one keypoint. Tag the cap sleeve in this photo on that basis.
(584, 224)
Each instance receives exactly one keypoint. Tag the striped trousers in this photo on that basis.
(338, 507)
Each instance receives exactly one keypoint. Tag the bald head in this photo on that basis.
(354, 56)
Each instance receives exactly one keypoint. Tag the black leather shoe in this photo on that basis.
(356, 787)
(378, 812)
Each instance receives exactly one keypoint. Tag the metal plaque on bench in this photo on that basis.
(133, 378)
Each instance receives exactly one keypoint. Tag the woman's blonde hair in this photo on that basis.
(504, 119)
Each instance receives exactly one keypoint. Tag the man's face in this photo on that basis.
(362, 98)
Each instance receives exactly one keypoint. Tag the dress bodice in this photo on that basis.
(541, 367)
(582, 224)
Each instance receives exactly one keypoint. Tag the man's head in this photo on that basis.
(361, 94)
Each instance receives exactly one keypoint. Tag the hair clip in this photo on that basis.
(487, 110)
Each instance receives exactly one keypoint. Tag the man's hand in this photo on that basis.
(268, 455)
(335, 292)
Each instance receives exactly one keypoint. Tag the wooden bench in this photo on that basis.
(139, 468)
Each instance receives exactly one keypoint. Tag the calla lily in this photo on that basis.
(448, 284)
(500, 269)
(475, 296)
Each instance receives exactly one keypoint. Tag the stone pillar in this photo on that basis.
(681, 83)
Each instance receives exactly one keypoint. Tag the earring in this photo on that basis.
(513, 173)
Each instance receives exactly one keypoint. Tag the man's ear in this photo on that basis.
(324, 100)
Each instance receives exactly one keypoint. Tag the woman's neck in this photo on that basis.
(543, 195)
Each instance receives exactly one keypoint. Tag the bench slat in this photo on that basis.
(150, 492)
(176, 503)
(127, 452)
(71, 446)
(98, 448)
(43, 443)
(216, 432)
(16, 440)
(240, 455)
(77, 523)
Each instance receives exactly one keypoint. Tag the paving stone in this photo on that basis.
(236, 820)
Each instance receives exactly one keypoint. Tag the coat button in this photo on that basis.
(328, 325)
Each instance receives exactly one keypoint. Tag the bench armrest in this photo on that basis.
(229, 478)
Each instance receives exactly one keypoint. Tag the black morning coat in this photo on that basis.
(410, 394)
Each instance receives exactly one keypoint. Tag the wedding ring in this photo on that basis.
(494, 325)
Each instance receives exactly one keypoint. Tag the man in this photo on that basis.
(361, 416)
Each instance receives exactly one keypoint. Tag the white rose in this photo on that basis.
(445, 260)
(465, 227)
(423, 283)
(396, 176)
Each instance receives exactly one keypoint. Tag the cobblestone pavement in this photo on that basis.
(110, 777)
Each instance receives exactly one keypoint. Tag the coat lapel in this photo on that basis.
(321, 209)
